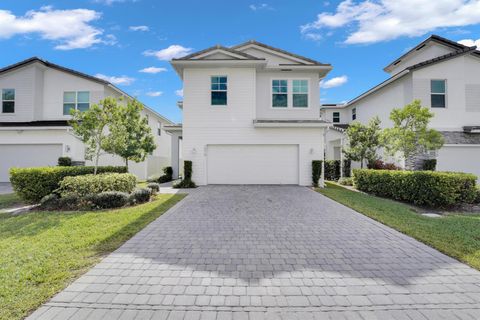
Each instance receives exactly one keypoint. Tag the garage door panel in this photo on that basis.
(27, 155)
(252, 164)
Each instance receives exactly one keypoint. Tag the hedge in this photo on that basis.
(187, 181)
(316, 172)
(425, 188)
(93, 184)
(332, 169)
(32, 184)
(429, 164)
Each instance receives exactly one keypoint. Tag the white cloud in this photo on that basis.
(152, 70)
(172, 52)
(111, 2)
(154, 93)
(179, 92)
(70, 29)
(260, 6)
(333, 82)
(122, 80)
(384, 20)
(139, 28)
(470, 42)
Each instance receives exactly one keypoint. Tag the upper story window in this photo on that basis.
(289, 93)
(438, 93)
(280, 93)
(8, 100)
(336, 117)
(218, 88)
(300, 93)
(159, 130)
(354, 113)
(75, 100)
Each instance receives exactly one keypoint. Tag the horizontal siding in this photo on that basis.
(23, 81)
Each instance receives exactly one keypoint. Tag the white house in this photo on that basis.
(37, 96)
(250, 115)
(441, 73)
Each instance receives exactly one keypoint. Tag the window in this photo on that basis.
(354, 113)
(300, 93)
(75, 100)
(438, 93)
(336, 117)
(279, 93)
(159, 130)
(219, 90)
(8, 100)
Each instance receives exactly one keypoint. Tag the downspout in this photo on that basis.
(341, 156)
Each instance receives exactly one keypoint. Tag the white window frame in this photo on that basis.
(290, 94)
(76, 100)
(438, 94)
(219, 90)
(14, 97)
(333, 117)
(354, 114)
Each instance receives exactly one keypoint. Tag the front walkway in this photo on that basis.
(253, 252)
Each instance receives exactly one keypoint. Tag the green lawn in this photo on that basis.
(42, 252)
(9, 200)
(455, 235)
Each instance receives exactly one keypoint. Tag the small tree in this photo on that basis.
(91, 127)
(363, 141)
(410, 133)
(130, 135)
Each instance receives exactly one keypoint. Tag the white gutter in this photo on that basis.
(33, 128)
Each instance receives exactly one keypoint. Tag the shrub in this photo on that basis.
(187, 180)
(428, 188)
(64, 161)
(429, 164)
(140, 195)
(316, 171)
(50, 202)
(154, 187)
(477, 195)
(88, 184)
(346, 181)
(332, 170)
(347, 168)
(107, 199)
(380, 165)
(167, 175)
(32, 184)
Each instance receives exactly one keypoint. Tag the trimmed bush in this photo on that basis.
(93, 184)
(140, 195)
(477, 195)
(429, 164)
(154, 187)
(380, 165)
(426, 188)
(50, 202)
(346, 181)
(347, 168)
(316, 172)
(64, 161)
(32, 184)
(332, 170)
(187, 180)
(167, 175)
(107, 199)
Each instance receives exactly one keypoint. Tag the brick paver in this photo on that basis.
(269, 252)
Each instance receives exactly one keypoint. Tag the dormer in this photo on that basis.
(433, 47)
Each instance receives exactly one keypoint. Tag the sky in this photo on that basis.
(129, 42)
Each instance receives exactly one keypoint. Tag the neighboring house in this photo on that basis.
(441, 73)
(36, 100)
(250, 115)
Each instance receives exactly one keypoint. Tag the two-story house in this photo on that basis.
(250, 115)
(444, 76)
(36, 99)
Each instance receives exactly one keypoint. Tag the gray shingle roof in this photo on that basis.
(460, 137)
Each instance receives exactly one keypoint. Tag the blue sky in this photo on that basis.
(119, 38)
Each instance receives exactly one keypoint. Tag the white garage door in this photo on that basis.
(252, 164)
(27, 155)
(459, 158)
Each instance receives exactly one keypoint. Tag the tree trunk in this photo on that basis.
(126, 163)
(361, 163)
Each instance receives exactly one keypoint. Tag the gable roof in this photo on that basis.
(76, 73)
(265, 46)
(433, 38)
(218, 48)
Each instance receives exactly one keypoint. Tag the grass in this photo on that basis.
(9, 200)
(42, 252)
(455, 235)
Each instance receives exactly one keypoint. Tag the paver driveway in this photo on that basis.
(276, 252)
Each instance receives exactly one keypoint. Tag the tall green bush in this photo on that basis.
(32, 184)
(187, 181)
(426, 188)
(332, 170)
(316, 172)
(97, 183)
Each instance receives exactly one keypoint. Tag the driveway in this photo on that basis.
(274, 252)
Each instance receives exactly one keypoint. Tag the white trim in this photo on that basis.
(2, 101)
(462, 145)
(273, 52)
(219, 50)
(33, 128)
(226, 91)
(438, 94)
(290, 94)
